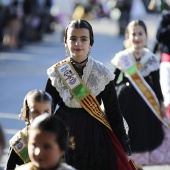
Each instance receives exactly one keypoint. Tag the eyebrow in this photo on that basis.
(80, 37)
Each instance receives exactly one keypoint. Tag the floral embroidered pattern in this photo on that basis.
(95, 75)
(148, 62)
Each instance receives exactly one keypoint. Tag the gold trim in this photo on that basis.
(96, 112)
(20, 135)
(144, 90)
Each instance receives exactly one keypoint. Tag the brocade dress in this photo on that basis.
(13, 159)
(94, 149)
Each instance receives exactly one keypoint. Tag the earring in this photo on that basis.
(24, 113)
(89, 52)
(66, 51)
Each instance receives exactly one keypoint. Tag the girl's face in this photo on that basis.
(137, 37)
(43, 149)
(78, 43)
(38, 108)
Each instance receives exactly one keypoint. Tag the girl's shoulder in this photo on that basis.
(147, 50)
(122, 52)
(149, 54)
(117, 56)
(18, 135)
(97, 65)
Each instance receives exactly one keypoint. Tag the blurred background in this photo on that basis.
(31, 40)
(25, 21)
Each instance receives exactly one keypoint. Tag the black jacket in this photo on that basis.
(13, 159)
(163, 33)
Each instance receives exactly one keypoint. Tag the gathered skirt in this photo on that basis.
(94, 148)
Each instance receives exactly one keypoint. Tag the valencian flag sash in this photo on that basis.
(131, 71)
(19, 144)
(83, 95)
(79, 90)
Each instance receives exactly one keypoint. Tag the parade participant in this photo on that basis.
(140, 96)
(47, 143)
(162, 35)
(78, 84)
(36, 102)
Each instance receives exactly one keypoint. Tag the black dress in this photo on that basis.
(13, 159)
(145, 129)
(93, 146)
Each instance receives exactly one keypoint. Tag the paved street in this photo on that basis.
(25, 69)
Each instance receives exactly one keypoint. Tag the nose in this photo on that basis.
(78, 42)
(37, 151)
(136, 37)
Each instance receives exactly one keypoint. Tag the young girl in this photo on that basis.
(36, 102)
(140, 95)
(78, 85)
(47, 143)
(162, 35)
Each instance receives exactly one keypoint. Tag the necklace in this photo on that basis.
(80, 62)
(138, 63)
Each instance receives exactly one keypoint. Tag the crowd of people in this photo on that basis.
(67, 129)
(23, 21)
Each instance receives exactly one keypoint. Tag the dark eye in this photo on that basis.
(73, 38)
(84, 39)
(47, 146)
(140, 33)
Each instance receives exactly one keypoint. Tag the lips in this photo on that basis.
(137, 42)
(77, 49)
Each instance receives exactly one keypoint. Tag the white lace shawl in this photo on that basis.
(95, 75)
(148, 61)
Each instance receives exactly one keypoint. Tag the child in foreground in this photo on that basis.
(78, 85)
(47, 143)
(36, 102)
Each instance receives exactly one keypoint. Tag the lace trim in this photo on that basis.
(149, 62)
(95, 75)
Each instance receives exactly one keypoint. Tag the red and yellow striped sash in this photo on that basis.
(80, 91)
(141, 86)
